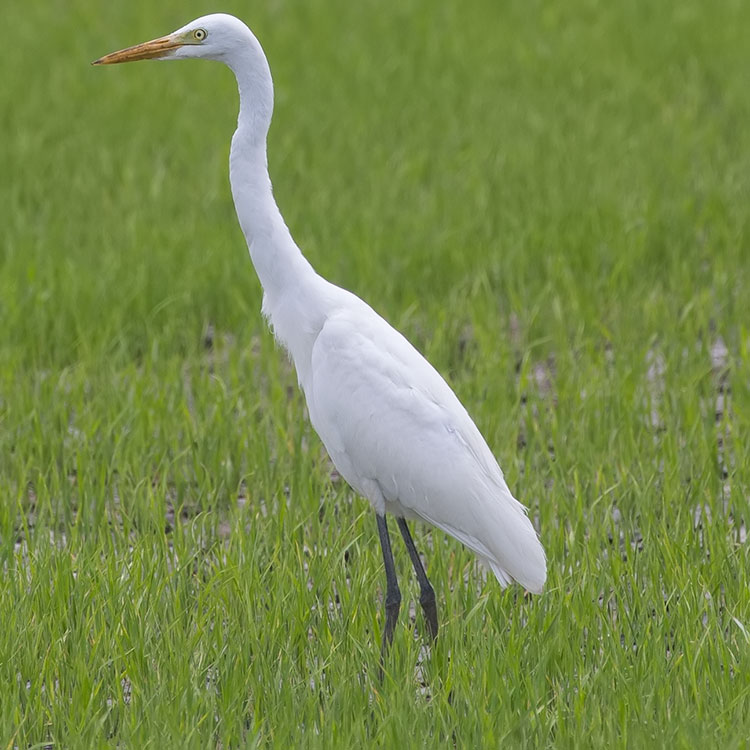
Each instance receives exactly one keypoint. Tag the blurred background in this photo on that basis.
(585, 158)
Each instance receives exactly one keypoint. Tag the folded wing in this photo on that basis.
(387, 417)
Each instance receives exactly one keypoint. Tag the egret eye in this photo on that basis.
(200, 34)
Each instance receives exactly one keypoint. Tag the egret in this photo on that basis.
(391, 424)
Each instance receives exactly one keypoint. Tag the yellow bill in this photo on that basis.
(146, 51)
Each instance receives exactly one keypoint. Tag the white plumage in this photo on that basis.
(400, 437)
(391, 424)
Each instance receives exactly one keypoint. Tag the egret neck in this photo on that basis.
(280, 265)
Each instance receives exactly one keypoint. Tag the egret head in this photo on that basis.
(226, 39)
(214, 37)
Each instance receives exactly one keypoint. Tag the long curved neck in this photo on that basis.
(278, 261)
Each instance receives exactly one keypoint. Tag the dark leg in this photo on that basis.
(392, 593)
(426, 592)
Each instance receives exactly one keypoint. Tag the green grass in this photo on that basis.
(552, 201)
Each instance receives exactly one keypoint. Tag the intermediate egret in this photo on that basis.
(392, 426)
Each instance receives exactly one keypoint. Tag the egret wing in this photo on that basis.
(387, 416)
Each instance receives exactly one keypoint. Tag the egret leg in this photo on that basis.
(392, 592)
(426, 592)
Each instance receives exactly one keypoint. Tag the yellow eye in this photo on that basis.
(200, 34)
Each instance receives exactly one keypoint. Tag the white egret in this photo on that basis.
(392, 426)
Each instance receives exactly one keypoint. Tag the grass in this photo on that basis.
(551, 201)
